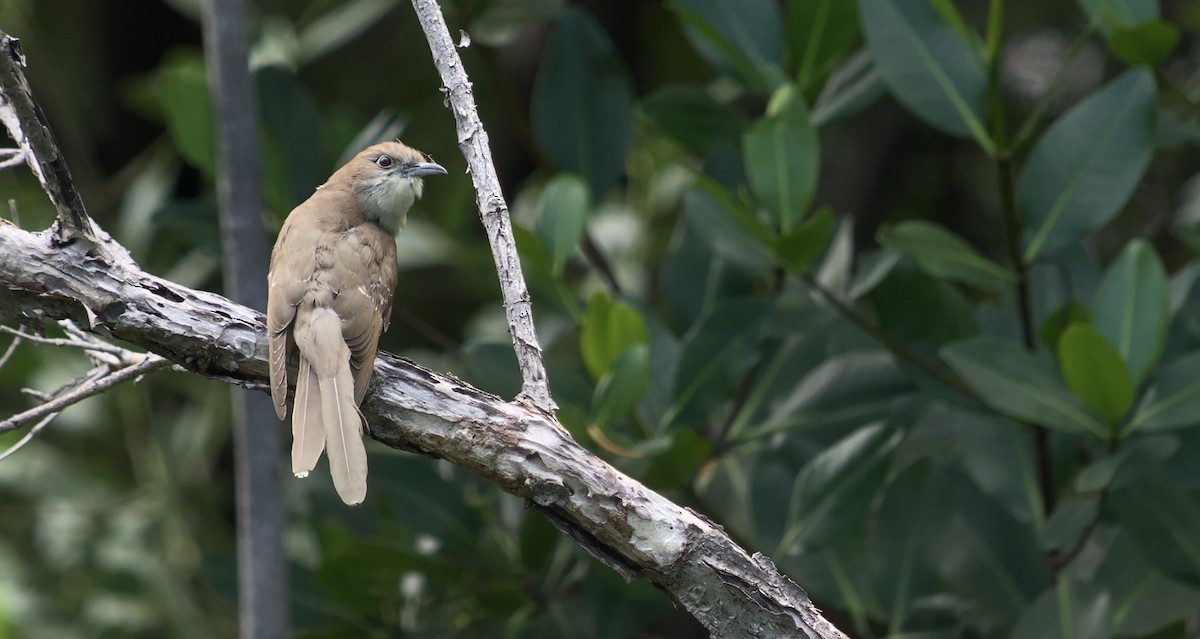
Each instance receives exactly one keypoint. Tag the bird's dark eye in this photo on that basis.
(384, 161)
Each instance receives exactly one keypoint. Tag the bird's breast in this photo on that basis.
(350, 270)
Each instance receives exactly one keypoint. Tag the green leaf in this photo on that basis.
(609, 329)
(532, 250)
(1163, 520)
(1087, 164)
(797, 249)
(149, 191)
(1094, 370)
(1174, 399)
(675, 466)
(851, 387)
(386, 125)
(622, 386)
(1186, 225)
(694, 118)
(985, 556)
(183, 91)
(293, 163)
(1149, 604)
(1128, 464)
(820, 32)
(1111, 15)
(745, 217)
(874, 269)
(744, 38)
(423, 245)
(582, 103)
(1131, 307)
(277, 44)
(782, 157)
(1066, 610)
(828, 484)
(851, 88)
(719, 227)
(562, 214)
(928, 65)
(492, 366)
(341, 25)
(837, 266)
(1068, 523)
(949, 13)
(1013, 382)
(902, 302)
(715, 352)
(944, 255)
(1148, 43)
(1058, 321)
(914, 507)
(500, 23)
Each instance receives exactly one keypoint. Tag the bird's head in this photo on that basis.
(387, 179)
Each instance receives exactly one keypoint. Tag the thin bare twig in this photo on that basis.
(36, 395)
(100, 378)
(148, 363)
(12, 348)
(493, 211)
(87, 343)
(33, 432)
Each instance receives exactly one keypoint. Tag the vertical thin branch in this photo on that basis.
(1012, 236)
(493, 211)
(263, 591)
(26, 124)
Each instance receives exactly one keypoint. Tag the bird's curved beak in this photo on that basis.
(421, 169)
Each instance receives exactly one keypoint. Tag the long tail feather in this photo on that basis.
(343, 437)
(319, 337)
(308, 435)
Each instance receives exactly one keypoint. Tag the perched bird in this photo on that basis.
(333, 271)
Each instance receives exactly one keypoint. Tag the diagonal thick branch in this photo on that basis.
(23, 119)
(518, 446)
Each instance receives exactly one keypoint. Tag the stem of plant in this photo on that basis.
(1012, 232)
(898, 348)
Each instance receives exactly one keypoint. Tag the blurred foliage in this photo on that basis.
(900, 292)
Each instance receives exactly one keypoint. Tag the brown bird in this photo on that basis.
(333, 271)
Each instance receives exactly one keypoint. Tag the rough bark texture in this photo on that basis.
(21, 113)
(515, 446)
(493, 210)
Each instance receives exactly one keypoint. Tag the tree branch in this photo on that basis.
(28, 437)
(518, 446)
(147, 363)
(493, 211)
(26, 124)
